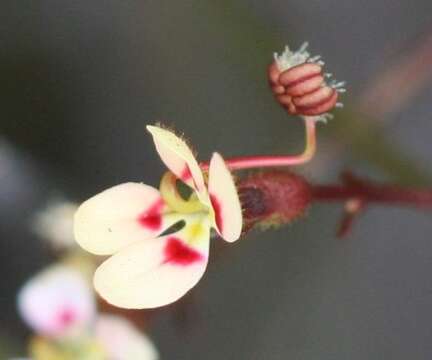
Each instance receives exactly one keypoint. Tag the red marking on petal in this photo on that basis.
(177, 253)
(218, 211)
(185, 174)
(152, 219)
(66, 317)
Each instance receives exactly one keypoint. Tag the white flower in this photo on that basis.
(150, 268)
(57, 302)
(59, 306)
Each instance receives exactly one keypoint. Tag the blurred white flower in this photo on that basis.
(122, 341)
(57, 302)
(55, 224)
(59, 305)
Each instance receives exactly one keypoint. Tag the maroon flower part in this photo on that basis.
(273, 198)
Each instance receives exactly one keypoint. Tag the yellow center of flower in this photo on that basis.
(170, 193)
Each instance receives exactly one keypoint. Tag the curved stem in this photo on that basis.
(249, 162)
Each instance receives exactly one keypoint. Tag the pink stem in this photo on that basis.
(249, 162)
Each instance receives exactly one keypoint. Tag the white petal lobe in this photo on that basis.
(118, 217)
(154, 273)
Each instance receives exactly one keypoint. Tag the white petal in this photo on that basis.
(225, 200)
(178, 157)
(120, 216)
(57, 302)
(122, 341)
(154, 273)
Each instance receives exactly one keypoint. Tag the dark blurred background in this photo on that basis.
(79, 82)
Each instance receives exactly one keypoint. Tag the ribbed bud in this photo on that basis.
(273, 198)
(302, 89)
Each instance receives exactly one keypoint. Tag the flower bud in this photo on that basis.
(299, 85)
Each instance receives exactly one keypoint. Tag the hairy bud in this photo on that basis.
(273, 198)
(299, 84)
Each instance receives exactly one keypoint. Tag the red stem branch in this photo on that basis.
(355, 188)
(358, 193)
(279, 197)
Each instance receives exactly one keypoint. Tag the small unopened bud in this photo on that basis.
(299, 84)
(273, 198)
